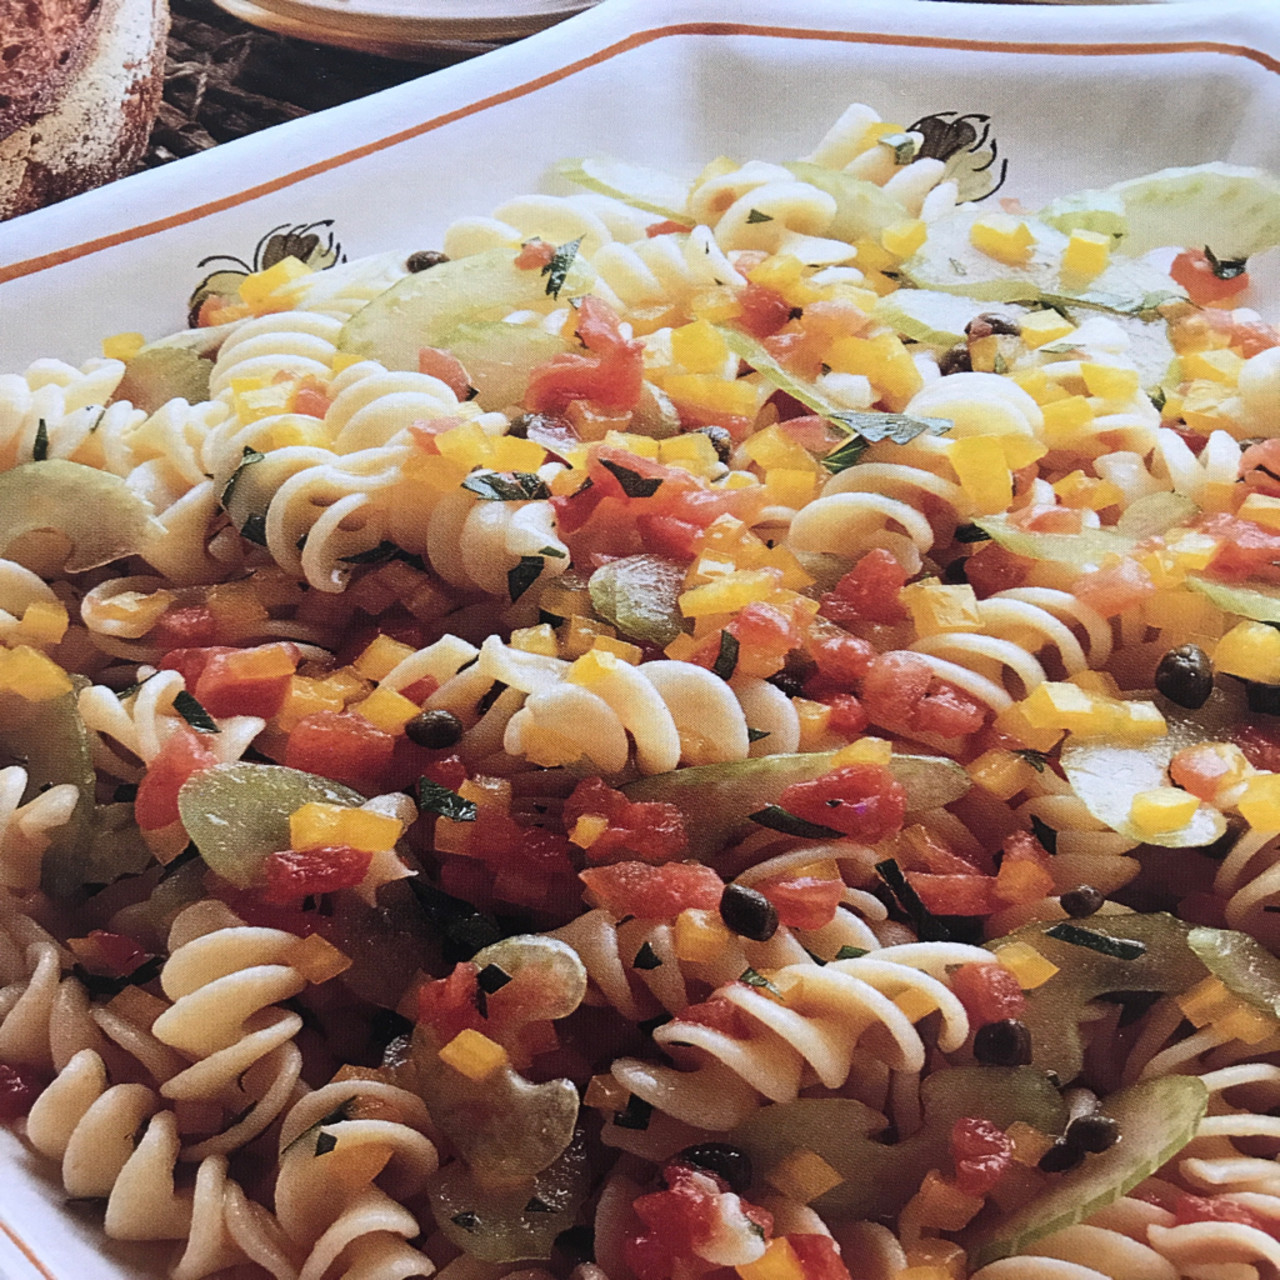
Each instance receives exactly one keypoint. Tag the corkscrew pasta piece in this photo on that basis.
(68, 401)
(26, 829)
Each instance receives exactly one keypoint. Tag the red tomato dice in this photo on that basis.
(294, 874)
(982, 1153)
(861, 800)
(653, 893)
(184, 753)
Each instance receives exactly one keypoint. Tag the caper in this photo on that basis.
(729, 1163)
(1262, 699)
(1006, 1043)
(957, 571)
(721, 441)
(955, 360)
(424, 259)
(1060, 1157)
(1094, 1133)
(990, 322)
(748, 912)
(1185, 676)
(1081, 901)
(435, 730)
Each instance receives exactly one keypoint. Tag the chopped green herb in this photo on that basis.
(523, 576)
(1046, 834)
(434, 798)
(193, 713)
(1036, 759)
(1116, 948)
(492, 978)
(851, 953)
(40, 449)
(1158, 398)
(776, 818)
(325, 1142)
(467, 1220)
(248, 459)
(754, 735)
(255, 529)
(506, 486)
(634, 485)
(898, 427)
(635, 1115)
(558, 268)
(958, 267)
(375, 555)
(971, 533)
(647, 958)
(999, 364)
(845, 455)
(927, 926)
(554, 552)
(726, 662)
(903, 146)
(758, 980)
(755, 215)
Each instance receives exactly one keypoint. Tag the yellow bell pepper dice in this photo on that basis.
(1042, 327)
(473, 1054)
(1161, 810)
(1003, 237)
(1087, 254)
(984, 475)
(936, 608)
(1259, 804)
(316, 824)
(1250, 650)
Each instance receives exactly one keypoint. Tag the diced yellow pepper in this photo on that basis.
(1202, 407)
(580, 635)
(943, 1205)
(1162, 809)
(1192, 550)
(511, 453)
(779, 1262)
(739, 397)
(1003, 237)
(682, 648)
(1042, 327)
(1086, 255)
(1109, 381)
(692, 451)
(588, 829)
(305, 697)
(381, 656)
(984, 475)
(864, 751)
(784, 274)
(789, 488)
(344, 360)
(540, 639)
(1061, 705)
(804, 1175)
(1031, 967)
(388, 710)
(716, 304)
(31, 674)
(730, 593)
(774, 448)
(1246, 1023)
(884, 360)
(346, 683)
(1001, 773)
(255, 403)
(916, 1004)
(473, 1055)
(1021, 451)
(1067, 421)
(1261, 509)
(594, 665)
(1222, 365)
(701, 936)
(1086, 492)
(629, 653)
(606, 1093)
(1102, 683)
(699, 347)
(44, 622)
(1208, 1000)
(902, 239)
(1014, 723)
(258, 287)
(317, 824)
(122, 346)
(317, 959)
(935, 1257)
(814, 718)
(1250, 650)
(1260, 804)
(937, 608)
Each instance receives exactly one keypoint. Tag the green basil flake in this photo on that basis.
(1036, 759)
(1046, 834)
(375, 555)
(467, 1220)
(927, 926)
(845, 455)
(506, 486)
(999, 364)
(754, 735)
(1223, 268)
(634, 485)
(523, 576)
(958, 267)
(814, 956)
(554, 552)
(1058, 348)
(851, 953)
(903, 146)
(726, 662)
(776, 818)
(1157, 398)
(558, 268)
(255, 529)
(193, 713)
(492, 978)
(248, 458)
(754, 215)
(971, 533)
(647, 958)
(758, 980)
(635, 1115)
(325, 1142)
(40, 449)
(1115, 948)
(898, 427)
(433, 798)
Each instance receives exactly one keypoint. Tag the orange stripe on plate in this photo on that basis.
(59, 256)
(25, 1250)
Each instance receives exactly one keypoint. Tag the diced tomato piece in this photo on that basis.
(1047, 518)
(982, 1153)
(666, 228)
(934, 854)
(184, 753)
(610, 375)
(19, 1088)
(1115, 590)
(342, 746)
(718, 1013)
(1022, 846)
(448, 771)
(861, 800)
(804, 902)
(650, 830)
(764, 626)
(948, 711)
(813, 432)
(1205, 287)
(873, 586)
(184, 626)
(989, 993)
(448, 1005)
(818, 1256)
(534, 255)
(1247, 548)
(653, 893)
(444, 365)
(842, 660)
(764, 310)
(955, 894)
(992, 569)
(667, 536)
(294, 874)
(894, 685)
(311, 402)
(424, 434)
(190, 663)
(1190, 1208)
(120, 955)
(1260, 467)
(1200, 770)
(246, 682)
(420, 690)
(848, 716)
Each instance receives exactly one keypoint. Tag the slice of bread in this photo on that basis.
(80, 84)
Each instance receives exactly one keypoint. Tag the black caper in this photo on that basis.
(1060, 1157)
(797, 668)
(1093, 1133)
(748, 912)
(1081, 901)
(721, 440)
(424, 259)
(1006, 1043)
(990, 322)
(726, 1162)
(435, 730)
(955, 360)
(1262, 699)
(1185, 676)
(957, 571)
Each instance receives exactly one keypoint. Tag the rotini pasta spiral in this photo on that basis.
(68, 401)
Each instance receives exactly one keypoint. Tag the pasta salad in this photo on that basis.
(703, 728)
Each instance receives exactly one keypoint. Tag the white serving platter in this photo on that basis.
(1077, 97)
